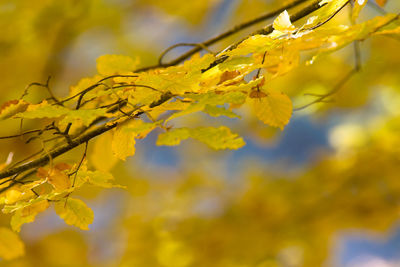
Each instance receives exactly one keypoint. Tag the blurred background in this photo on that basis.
(324, 192)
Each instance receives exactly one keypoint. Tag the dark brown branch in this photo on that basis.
(100, 82)
(224, 35)
(269, 29)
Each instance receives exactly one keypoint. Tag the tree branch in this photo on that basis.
(85, 135)
(74, 143)
(224, 35)
(269, 29)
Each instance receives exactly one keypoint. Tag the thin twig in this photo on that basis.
(163, 54)
(330, 17)
(46, 85)
(21, 134)
(338, 86)
(75, 173)
(100, 82)
(267, 30)
(14, 181)
(224, 35)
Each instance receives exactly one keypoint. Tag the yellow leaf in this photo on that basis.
(272, 108)
(75, 212)
(140, 129)
(215, 111)
(328, 8)
(84, 116)
(123, 142)
(35, 208)
(97, 178)
(83, 84)
(27, 214)
(281, 61)
(216, 138)
(46, 110)
(17, 220)
(254, 44)
(102, 157)
(177, 79)
(112, 64)
(12, 107)
(283, 24)
(16, 194)
(59, 180)
(11, 246)
(143, 96)
(173, 137)
(211, 98)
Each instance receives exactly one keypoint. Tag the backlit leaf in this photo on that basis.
(102, 157)
(216, 138)
(57, 178)
(140, 129)
(12, 107)
(123, 142)
(27, 214)
(74, 212)
(219, 111)
(213, 99)
(17, 193)
(46, 110)
(17, 220)
(283, 24)
(272, 108)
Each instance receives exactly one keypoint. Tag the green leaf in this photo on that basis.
(216, 138)
(75, 212)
